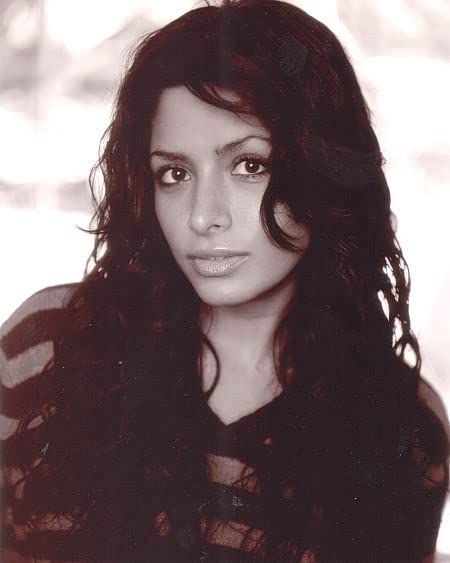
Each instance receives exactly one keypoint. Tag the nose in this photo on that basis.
(210, 209)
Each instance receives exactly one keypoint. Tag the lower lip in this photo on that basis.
(217, 268)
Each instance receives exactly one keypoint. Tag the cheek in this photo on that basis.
(169, 220)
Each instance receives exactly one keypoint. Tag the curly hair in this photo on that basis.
(123, 416)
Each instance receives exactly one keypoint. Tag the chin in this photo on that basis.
(220, 296)
(233, 295)
(218, 299)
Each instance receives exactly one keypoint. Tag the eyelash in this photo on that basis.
(243, 158)
(165, 169)
(257, 160)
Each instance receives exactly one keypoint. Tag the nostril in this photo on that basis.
(205, 219)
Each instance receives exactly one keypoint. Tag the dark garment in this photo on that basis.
(240, 513)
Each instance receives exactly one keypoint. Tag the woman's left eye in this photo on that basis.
(251, 167)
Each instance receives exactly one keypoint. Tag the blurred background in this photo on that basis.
(60, 64)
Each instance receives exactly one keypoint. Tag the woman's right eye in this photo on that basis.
(173, 175)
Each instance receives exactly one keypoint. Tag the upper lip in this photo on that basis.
(217, 253)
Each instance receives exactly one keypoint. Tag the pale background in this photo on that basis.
(59, 67)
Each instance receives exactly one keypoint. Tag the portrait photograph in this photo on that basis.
(225, 305)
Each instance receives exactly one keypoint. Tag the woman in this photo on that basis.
(229, 381)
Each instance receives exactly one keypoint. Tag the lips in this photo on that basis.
(216, 253)
(218, 262)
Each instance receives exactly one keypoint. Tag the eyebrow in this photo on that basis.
(220, 151)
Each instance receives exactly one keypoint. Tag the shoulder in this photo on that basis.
(430, 398)
(26, 348)
(50, 298)
(433, 448)
(27, 331)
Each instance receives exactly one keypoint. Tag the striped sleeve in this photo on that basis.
(26, 348)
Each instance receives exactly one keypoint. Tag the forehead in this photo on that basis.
(182, 118)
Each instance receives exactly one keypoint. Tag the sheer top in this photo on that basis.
(239, 514)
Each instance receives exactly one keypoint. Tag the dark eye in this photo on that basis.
(250, 167)
(173, 175)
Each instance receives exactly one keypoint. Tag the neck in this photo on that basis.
(243, 335)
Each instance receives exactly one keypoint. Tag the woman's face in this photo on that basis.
(210, 170)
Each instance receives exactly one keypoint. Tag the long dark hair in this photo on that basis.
(124, 416)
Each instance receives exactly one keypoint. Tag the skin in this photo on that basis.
(210, 169)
